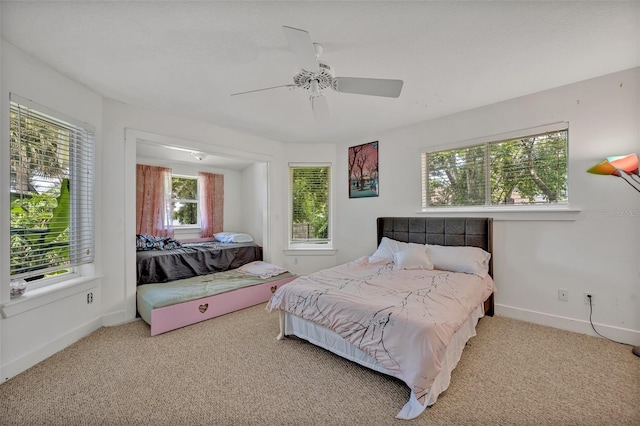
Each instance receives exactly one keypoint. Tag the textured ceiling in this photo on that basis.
(186, 58)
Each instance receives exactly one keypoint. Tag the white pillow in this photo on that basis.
(233, 237)
(262, 269)
(388, 248)
(415, 256)
(470, 260)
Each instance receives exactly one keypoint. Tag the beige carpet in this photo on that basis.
(232, 371)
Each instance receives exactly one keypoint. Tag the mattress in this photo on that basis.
(153, 296)
(193, 259)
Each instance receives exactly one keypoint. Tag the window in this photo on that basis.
(530, 170)
(310, 204)
(184, 201)
(51, 186)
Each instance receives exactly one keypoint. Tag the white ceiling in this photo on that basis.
(186, 58)
(170, 155)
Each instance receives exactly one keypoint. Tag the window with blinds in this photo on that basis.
(529, 170)
(184, 201)
(51, 187)
(310, 203)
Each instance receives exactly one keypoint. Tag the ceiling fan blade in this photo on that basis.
(320, 107)
(368, 86)
(266, 88)
(302, 47)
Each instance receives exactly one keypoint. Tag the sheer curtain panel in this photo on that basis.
(211, 203)
(153, 201)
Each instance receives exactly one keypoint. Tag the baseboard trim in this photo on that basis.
(115, 318)
(624, 335)
(28, 360)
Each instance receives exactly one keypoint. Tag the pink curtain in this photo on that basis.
(153, 201)
(211, 203)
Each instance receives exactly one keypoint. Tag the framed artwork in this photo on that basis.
(363, 170)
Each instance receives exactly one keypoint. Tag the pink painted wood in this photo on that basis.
(175, 316)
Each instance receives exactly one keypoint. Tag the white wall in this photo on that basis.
(594, 249)
(123, 127)
(255, 196)
(38, 324)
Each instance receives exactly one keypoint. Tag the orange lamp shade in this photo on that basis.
(602, 168)
(610, 166)
(628, 163)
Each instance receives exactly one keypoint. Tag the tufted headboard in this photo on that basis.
(445, 231)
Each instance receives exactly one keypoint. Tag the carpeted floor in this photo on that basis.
(232, 371)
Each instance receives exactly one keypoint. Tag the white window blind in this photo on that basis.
(184, 201)
(51, 185)
(310, 209)
(528, 170)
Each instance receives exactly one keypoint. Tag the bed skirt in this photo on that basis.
(333, 342)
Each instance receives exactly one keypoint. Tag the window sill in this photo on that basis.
(35, 298)
(534, 213)
(310, 251)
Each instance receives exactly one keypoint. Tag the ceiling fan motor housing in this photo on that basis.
(323, 77)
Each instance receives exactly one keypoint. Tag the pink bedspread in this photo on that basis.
(402, 318)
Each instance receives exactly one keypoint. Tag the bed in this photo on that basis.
(192, 259)
(181, 283)
(399, 311)
(172, 305)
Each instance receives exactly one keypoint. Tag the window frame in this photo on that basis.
(196, 201)
(82, 226)
(307, 245)
(486, 142)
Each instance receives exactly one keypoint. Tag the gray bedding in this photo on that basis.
(190, 260)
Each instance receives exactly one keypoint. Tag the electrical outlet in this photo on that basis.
(563, 294)
(89, 298)
(589, 298)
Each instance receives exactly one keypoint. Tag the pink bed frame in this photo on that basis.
(175, 316)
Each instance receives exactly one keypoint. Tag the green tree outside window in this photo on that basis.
(524, 171)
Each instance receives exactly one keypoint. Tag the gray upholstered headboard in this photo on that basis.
(445, 231)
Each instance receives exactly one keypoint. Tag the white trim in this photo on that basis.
(296, 248)
(58, 116)
(310, 252)
(631, 337)
(191, 145)
(537, 213)
(131, 138)
(310, 164)
(36, 298)
(115, 318)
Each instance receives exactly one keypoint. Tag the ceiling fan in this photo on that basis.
(315, 75)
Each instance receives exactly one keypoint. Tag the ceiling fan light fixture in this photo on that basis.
(316, 76)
